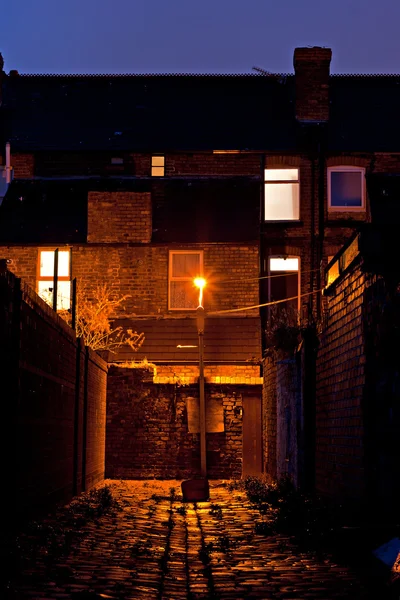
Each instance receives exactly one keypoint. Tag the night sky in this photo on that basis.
(196, 36)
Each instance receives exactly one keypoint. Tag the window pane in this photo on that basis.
(346, 189)
(281, 201)
(157, 161)
(63, 263)
(157, 171)
(281, 174)
(186, 265)
(47, 263)
(45, 291)
(183, 294)
(283, 264)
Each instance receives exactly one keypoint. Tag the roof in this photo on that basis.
(53, 210)
(226, 339)
(184, 112)
(148, 112)
(364, 113)
(210, 210)
(184, 211)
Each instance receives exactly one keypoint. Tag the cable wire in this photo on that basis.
(218, 312)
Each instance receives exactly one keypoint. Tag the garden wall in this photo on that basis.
(53, 401)
(149, 435)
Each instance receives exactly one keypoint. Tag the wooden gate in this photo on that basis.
(252, 435)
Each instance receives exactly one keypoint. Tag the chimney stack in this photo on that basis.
(311, 69)
(2, 74)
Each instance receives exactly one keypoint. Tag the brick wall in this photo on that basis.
(269, 416)
(142, 273)
(340, 388)
(147, 423)
(23, 166)
(212, 164)
(119, 217)
(311, 67)
(44, 408)
(244, 374)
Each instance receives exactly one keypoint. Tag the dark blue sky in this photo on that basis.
(198, 36)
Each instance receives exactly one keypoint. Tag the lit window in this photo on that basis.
(184, 267)
(346, 188)
(284, 281)
(46, 278)
(157, 166)
(282, 194)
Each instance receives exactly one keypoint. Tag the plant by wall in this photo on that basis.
(95, 309)
(285, 329)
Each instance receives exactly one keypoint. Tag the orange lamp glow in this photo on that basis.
(200, 283)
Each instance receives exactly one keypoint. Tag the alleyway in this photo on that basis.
(153, 546)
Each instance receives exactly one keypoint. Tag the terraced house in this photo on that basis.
(145, 182)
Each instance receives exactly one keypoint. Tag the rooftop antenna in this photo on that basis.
(263, 71)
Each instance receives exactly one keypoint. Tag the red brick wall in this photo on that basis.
(96, 419)
(53, 164)
(269, 416)
(311, 67)
(212, 164)
(340, 388)
(119, 217)
(142, 273)
(45, 421)
(56, 164)
(147, 423)
(23, 165)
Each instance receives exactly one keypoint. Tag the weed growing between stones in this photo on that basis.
(285, 510)
(52, 538)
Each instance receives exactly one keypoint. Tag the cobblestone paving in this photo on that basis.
(155, 547)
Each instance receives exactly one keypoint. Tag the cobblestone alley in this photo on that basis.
(152, 546)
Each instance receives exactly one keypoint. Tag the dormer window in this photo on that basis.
(157, 165)
(346, 189)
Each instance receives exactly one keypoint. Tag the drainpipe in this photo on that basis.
(8, 163)
(312, 249)
(321, 213)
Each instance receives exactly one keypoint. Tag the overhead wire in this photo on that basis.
(269, 276)
(218, 312)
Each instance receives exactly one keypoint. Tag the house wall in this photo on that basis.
(147, 422)
(52, 386)
(141, 271)
(119, 217)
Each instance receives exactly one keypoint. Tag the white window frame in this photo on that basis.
(158, 165)
(348, 169)
(46, 278)
(282, 181)
(172, 253)
(271, 272)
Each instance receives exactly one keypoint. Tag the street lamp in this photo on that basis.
(200, 283)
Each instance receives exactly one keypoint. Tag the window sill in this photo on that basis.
(291, 223)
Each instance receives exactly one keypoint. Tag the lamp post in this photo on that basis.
(200, 283)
